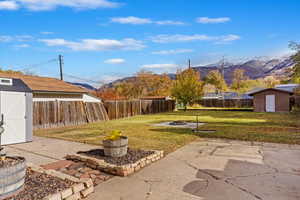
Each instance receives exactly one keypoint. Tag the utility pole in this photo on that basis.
(223, 72)
(222, 67)
(189, 63)
(61, 64)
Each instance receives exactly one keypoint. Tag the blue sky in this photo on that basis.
(103, 40)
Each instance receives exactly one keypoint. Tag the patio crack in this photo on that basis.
(32, 152)
(150, 185)
(227, 180)
(243, 189)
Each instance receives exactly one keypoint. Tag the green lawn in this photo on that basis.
(251, 126)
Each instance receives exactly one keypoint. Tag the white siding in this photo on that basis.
(55, 99)
(89, 98)
(84, 98)
(17, 110)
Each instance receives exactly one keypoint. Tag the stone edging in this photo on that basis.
(81, 189)
(123, 170)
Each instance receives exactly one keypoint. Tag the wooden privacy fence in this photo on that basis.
(295, 102)
(226, 103)
(49, 114)
(122, 108)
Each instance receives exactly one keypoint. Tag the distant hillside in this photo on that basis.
(254, 69)
(84, 85)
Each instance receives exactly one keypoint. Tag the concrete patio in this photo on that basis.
(207, 169)
(213, 170)
(45, 150)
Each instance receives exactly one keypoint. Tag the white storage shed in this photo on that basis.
(16, 108)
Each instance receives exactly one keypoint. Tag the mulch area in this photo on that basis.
(38, 186)
(78, 170)
(132, 156)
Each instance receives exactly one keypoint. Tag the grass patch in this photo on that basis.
(249, 126)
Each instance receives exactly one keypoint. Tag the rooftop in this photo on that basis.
(44, 84)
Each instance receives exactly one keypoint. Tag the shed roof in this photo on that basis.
(266, 89)
(17, 86)
(288, 87)
(45, 84)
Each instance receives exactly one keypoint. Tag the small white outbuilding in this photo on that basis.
(16, 109)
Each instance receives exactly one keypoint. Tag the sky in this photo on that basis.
(103, 40)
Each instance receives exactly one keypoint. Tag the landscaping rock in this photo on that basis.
(132, 156)
(38, 186)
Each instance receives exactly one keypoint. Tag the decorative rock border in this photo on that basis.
(81, 189)
(119, 170)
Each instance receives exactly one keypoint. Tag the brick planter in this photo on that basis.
(81, 189)
(119, 170)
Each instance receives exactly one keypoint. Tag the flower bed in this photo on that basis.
(122, 166)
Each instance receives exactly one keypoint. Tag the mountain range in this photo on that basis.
(254, 69)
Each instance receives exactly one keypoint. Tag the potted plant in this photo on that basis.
(115, 145)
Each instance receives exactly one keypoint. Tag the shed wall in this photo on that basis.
(282, 101)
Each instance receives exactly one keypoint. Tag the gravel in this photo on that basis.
(38, 185)
(132, 156)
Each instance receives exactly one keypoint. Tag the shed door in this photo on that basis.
(270, 103)
(13, 108)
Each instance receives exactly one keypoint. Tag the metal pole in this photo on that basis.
(61, 63)
(197, 123)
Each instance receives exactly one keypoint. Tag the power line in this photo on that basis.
(84, 79)
(38, 64)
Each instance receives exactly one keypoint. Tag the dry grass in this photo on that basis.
(266, 127)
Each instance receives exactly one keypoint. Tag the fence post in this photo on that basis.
(140, 107)
(116, 109)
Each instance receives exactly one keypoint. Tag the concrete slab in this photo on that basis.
(46, 150)
(213, 170)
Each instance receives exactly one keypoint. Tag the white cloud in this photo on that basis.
(96, 44)
(169, 22)
(173, 51)
(131, 20)
(139, 21)
(110, 78)
(6, 38)
(19, 46)
(164, 38)
(40, 5)
(8, 5)
(115, 61)
(17, 38)
(23, 38)
(46, 33)
(207, 20)
(160, 66)
(227, 39)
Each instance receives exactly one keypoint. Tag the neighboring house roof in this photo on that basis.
(266, 89)
(212, 96)
(17, 86)
(153, 97)
(235, 95)
(287, 87)
(45, 84)
(226, 95)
